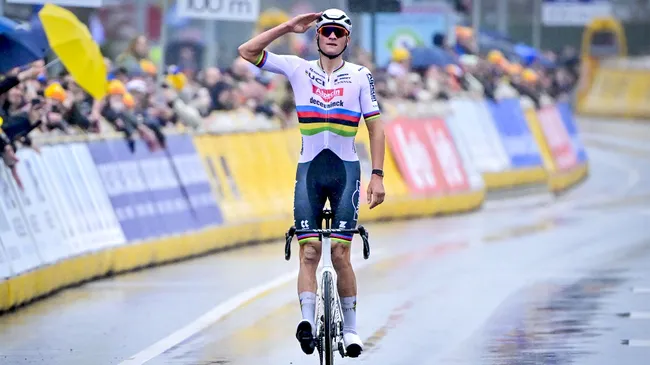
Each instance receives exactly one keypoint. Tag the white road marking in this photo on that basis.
(223, 309)
(637, 290)
(637, 343)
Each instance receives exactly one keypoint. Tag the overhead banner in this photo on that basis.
(510, 121)
(558, 13)
(557, 138)
(194, 180)
(234, 10)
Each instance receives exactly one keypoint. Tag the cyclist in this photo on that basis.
(331, 96)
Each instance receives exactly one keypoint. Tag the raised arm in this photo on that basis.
(251, 50)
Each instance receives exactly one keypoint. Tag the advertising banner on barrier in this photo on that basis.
(169, 200)
(141, 206)
(441, 144)
(111, 234)
(510, 121)
(474, 177)
(474, 128)
(38, 210)
(16, 239)
(194, 179)
(121, 185)
(5, 265)
(88, 223)
(97, 228)
(408, 142)
(557, 138)
(60, 204)
(572, 128)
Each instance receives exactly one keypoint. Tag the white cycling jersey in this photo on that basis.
(329, 107)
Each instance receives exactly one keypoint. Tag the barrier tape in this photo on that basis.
(92, 207)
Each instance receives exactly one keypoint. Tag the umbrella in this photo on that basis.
(72, 43)
(18, 48)
(7, 24)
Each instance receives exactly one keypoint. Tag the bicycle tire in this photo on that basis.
(328, 294)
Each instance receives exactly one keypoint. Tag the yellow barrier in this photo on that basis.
(252, 175)
(618, 91)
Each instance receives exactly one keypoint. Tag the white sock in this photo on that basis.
(308, 307)
(349, 305)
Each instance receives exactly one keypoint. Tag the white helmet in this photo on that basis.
(335, 16)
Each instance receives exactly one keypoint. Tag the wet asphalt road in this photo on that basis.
(530, 281)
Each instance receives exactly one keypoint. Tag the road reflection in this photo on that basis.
(549, 323)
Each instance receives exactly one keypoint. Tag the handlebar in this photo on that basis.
(360, 230)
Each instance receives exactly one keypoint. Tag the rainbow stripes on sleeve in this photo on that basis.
(371, 116)
(261, 60)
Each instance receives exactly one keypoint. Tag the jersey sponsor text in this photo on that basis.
(327, 94)
(334, 104)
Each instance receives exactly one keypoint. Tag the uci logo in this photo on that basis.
(315, 77)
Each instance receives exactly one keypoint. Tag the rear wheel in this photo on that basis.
(328, 303)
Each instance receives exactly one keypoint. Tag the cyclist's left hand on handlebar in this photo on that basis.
(375, 191)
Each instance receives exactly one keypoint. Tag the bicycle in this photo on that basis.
(329, 327)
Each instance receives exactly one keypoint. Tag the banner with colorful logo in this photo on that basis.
(194, 180)
(510, 121)
(401, 30)
(426, 156)
(557, 138)
(572, 128)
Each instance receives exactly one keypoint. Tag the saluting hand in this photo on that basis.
(302, 22)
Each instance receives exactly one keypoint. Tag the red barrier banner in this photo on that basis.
(442, 144)
(426, 156)
(558, 138)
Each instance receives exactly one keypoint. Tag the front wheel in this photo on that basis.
(329, 331)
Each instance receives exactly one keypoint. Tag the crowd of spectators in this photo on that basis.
(35, 103)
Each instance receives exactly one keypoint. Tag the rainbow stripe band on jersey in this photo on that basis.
(261, 60)
(329, 105)
(371, 116)
(314, 120)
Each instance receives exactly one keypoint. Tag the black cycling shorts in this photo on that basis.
(327, 177)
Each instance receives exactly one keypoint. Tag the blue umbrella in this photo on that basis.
(528, 54)
(19, 48)
(7, 24)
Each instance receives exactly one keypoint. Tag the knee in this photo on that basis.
(341, 256)
(310, 254)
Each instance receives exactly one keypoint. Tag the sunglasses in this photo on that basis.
(339, 32)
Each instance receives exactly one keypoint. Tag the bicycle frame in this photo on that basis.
(328, 267)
